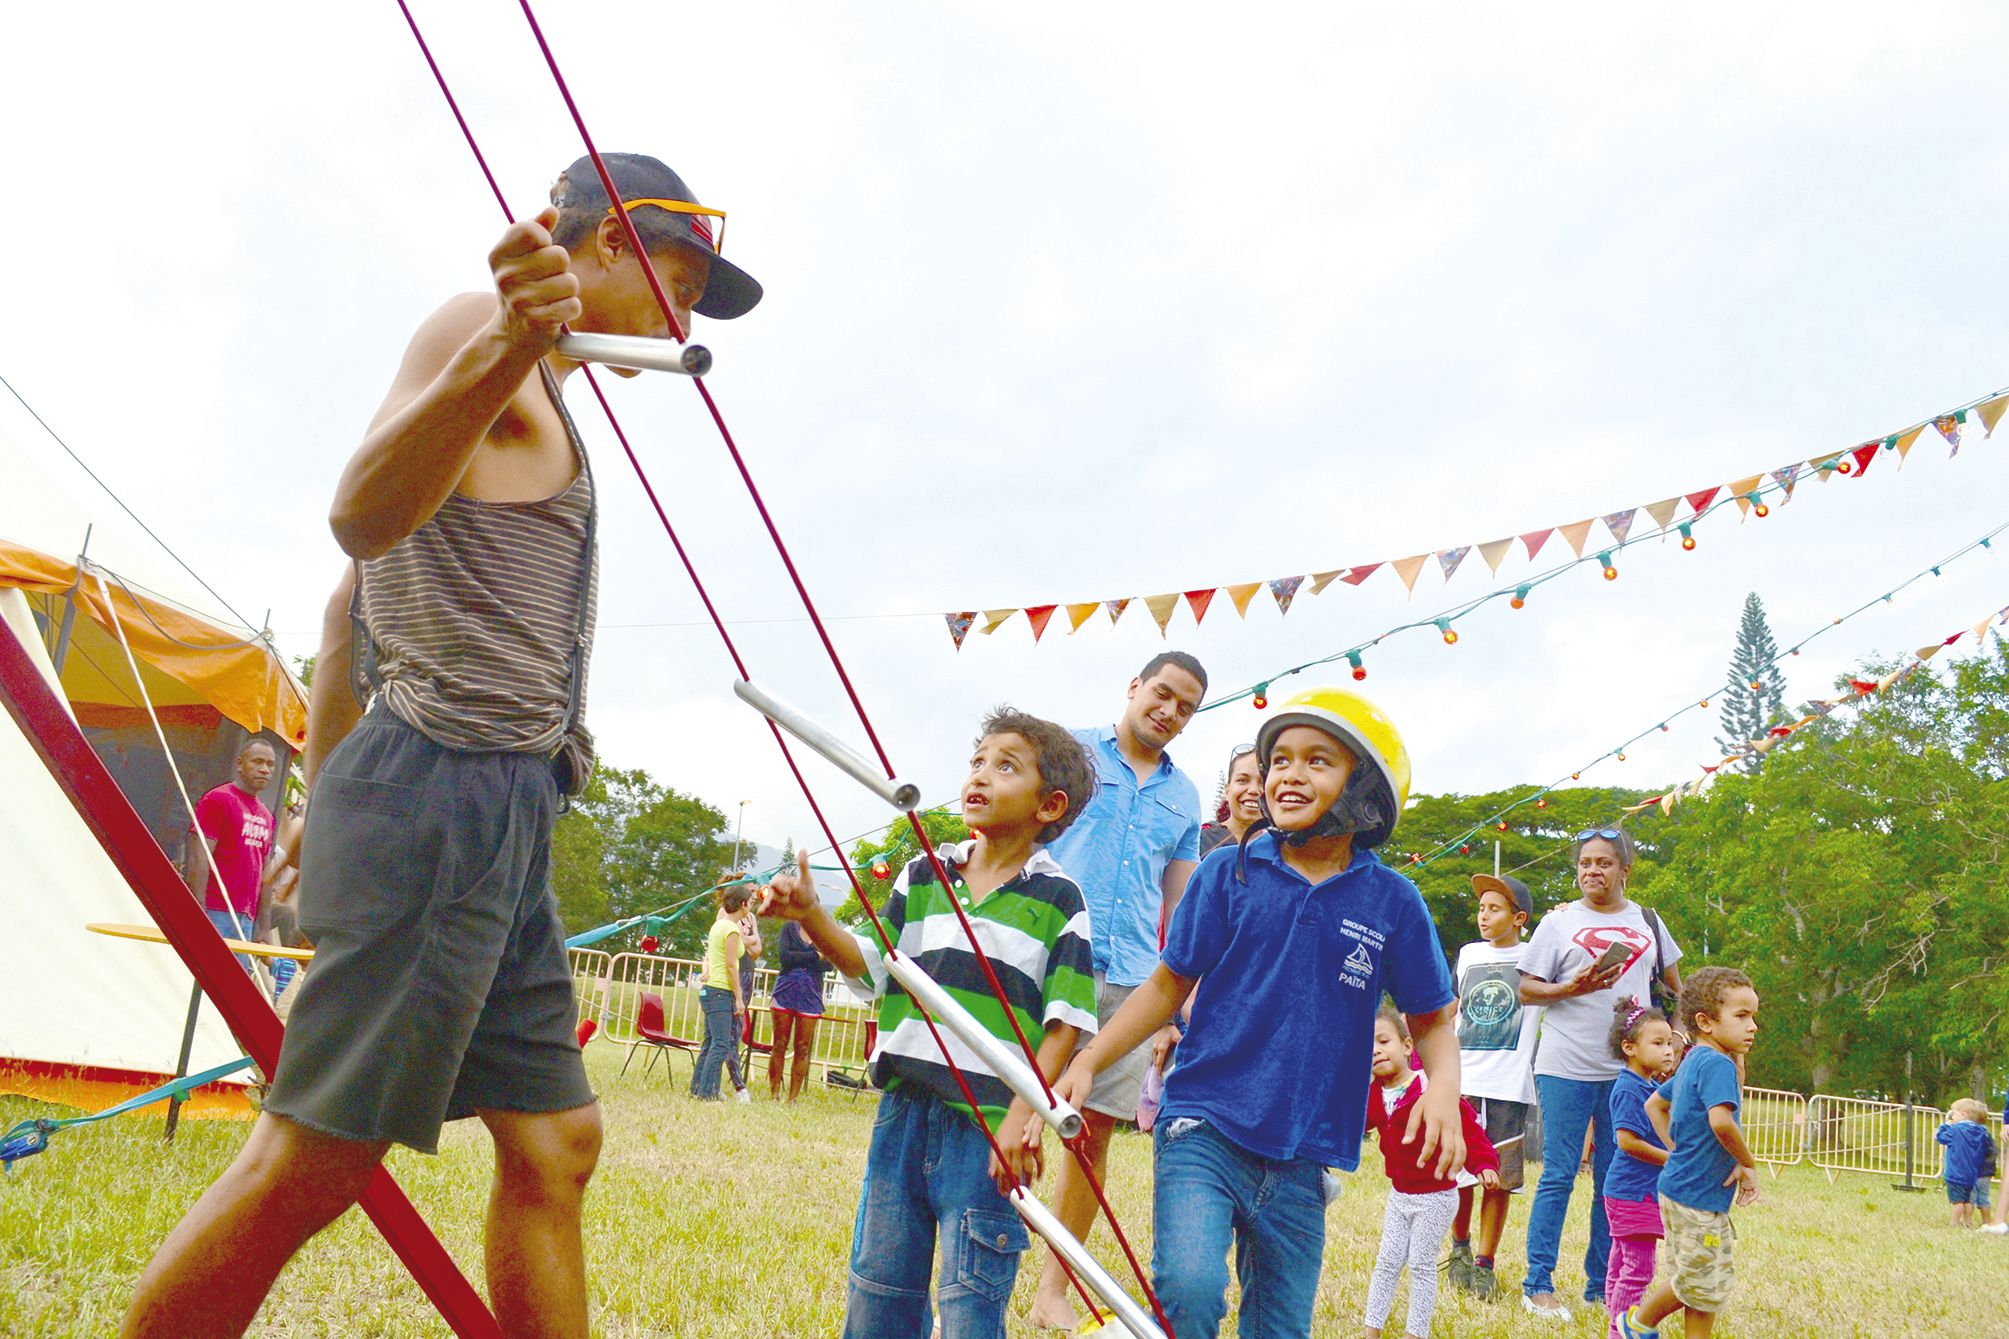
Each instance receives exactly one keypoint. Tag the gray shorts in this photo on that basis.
(440, 985)
(1118, 1087)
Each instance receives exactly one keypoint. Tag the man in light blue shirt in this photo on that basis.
(1131, 852)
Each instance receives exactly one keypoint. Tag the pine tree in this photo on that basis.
(1755, 696)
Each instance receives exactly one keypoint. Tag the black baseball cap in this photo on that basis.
(731, 291)
(1512, 889)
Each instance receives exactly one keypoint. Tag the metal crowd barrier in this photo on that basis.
(1775, 1126)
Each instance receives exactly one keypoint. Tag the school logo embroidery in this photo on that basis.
(1358, 961)
(1358, 968)
(1595, 939)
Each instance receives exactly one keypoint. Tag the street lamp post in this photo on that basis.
(738, 827)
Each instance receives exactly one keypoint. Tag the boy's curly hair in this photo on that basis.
(1063, 764)
(1703, 993)
(1628, 1016)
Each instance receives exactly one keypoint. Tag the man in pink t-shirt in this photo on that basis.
(236, 828)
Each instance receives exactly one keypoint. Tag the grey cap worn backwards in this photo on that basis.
(731, 291)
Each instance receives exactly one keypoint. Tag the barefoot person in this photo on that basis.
(440, 989)
(1132, 852)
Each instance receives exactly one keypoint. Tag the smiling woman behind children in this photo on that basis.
(1292, 936)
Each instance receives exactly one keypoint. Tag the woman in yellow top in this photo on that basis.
(720, 999)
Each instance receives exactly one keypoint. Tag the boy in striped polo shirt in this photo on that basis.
(930, 1170)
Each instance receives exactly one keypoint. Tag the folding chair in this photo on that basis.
(650, 1032)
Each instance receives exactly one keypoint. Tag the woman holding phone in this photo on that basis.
(1583, 954)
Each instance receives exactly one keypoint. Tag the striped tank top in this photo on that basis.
(477, 627)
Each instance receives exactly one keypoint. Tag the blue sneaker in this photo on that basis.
(1632, 1328)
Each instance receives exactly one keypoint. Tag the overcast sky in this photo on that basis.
(1080, 302)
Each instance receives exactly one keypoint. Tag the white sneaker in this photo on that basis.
(743, 1096)
(1556, 1310)
(1998, 1229)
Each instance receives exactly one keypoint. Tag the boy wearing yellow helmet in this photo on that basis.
(1291, 939)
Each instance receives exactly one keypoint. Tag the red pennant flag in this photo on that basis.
(1198, 600)
(1863, 455)
(1863, 686)
(1037, 615)
(1700, 501)
(1534, 539)
(1353, 576)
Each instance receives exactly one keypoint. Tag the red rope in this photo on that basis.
(795, 577)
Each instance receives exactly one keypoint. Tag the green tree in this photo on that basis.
(629, 846)
(893, 850)
(1754, 697)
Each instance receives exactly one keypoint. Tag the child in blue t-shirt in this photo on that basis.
(1643, 1039)
(1969, 1147)
(1292, 936)
(1708, 1164)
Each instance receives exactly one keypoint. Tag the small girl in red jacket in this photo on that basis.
(1420, 1206)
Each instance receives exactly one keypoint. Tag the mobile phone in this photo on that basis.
(1615, 953)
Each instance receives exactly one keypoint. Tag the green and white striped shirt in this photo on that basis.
(1033, 928)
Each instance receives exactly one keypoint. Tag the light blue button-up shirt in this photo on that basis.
(1117, 850)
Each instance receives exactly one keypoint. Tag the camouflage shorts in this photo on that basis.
(1698, 1249)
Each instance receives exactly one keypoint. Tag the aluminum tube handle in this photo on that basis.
(649, 355)
(1134, 1318)
(902, 795)
(1000, 1059)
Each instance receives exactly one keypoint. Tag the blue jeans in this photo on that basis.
(229, 930)
(1208, 1192)
(1569, 1107)
(928, 1177)
(721, 1041)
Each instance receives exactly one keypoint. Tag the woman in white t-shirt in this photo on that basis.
(1574, 1068)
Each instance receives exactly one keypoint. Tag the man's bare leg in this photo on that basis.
(536, 1259)
(1074, 1205)
(211, 1275)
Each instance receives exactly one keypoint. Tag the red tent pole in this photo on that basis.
(138, 857)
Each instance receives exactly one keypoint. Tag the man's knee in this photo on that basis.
(546, 1155)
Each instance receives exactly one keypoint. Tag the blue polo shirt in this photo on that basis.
(1282, 1045)
(1117, 850)
(1698, 1163)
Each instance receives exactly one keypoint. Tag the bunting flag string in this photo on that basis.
(1750, 495)
(1814, 710)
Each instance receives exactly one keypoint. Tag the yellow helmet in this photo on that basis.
(1382, 770)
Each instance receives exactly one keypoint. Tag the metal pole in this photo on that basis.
(902, 795)
(1910, 1149)
(62, 651)
(1496, 858)
(181, 1066)
(738, 828)
(648, 355)
(1001, 1060)
(1040, 1219)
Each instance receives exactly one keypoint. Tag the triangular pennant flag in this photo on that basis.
(1662, 512)
(1927, 652)
(1285, 590)
(1620, 523)
(1667, 803)
(959, 626)
(1862, 686)
(1320, 580)
(1534, 539)
(1991, 413)
(1824, 467)
(994, 617)
(1037, 615)
(1981, 629)
(1161, 607)
(1242, 594)
(1787, 476)
(1742, 490)
(1407, 569)
(1949, 428)
(1116, 607)
(1494, 553)
(1700, 501)
(1863, 455)
(1904, 441)
(1889, 679)
(1448, 559)
(1576, 532)
(1077, 614)
(1199, 600)
(1353, 576)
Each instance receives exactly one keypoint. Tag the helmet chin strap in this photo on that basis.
(1358, 809)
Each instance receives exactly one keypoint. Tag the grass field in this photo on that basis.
(735, 1222)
